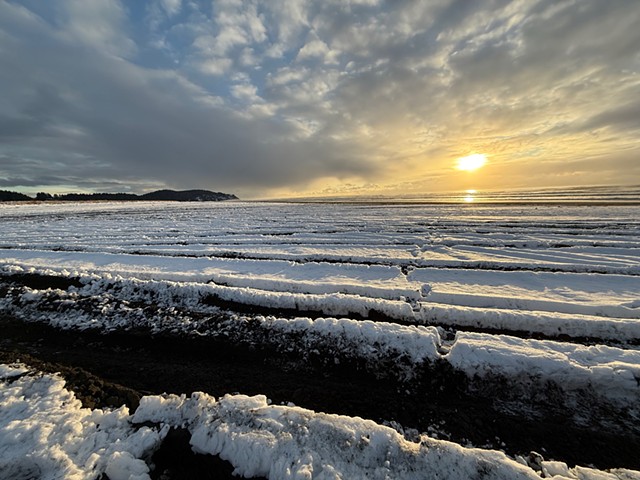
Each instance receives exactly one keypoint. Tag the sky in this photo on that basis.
(274, 98)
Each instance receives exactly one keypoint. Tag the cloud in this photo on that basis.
(131, 122)
(256, 97)
(171, 7)
(622, 117)
(98, 24)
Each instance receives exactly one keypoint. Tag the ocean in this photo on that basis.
(597, 195)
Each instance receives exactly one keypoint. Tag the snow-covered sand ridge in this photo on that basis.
(523, 299)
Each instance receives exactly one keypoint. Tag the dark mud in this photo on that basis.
(237, 307)
(175, 460)
(116, 368)
(42, 282)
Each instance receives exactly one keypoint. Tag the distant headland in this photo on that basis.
(158, 195)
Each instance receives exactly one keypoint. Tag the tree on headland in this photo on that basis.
(162, 195)
(83, 197)
(43, 196)
(7, 196)
(188, 196)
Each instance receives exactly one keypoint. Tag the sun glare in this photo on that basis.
(471, 162)
(470, 196)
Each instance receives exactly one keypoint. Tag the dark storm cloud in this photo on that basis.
(119, 120)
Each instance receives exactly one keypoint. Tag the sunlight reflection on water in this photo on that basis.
(602, 195)
(470, 196)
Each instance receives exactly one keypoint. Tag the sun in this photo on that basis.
(471, 162)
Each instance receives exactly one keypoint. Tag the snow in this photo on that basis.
(572, 293)
(282, 442)
(549, 324)
(275, 275)
(46, 433)
(611, 372)
(569, 270)
(10, 371)
(587, 306)
(506, 272)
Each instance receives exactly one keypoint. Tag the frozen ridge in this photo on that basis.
(549, 324)
(611, 374)
(586, 301)
(611, 371)
(46, 433)
(378, 281)
(598, 239)
(615, 296)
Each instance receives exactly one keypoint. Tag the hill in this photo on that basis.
(159, 195)
(7, 196)
(188, 196)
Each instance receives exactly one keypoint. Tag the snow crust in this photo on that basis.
(611, 372)
(572, 271)
(274, 275)
(573, 318)
(45, 433)
(283, 442)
